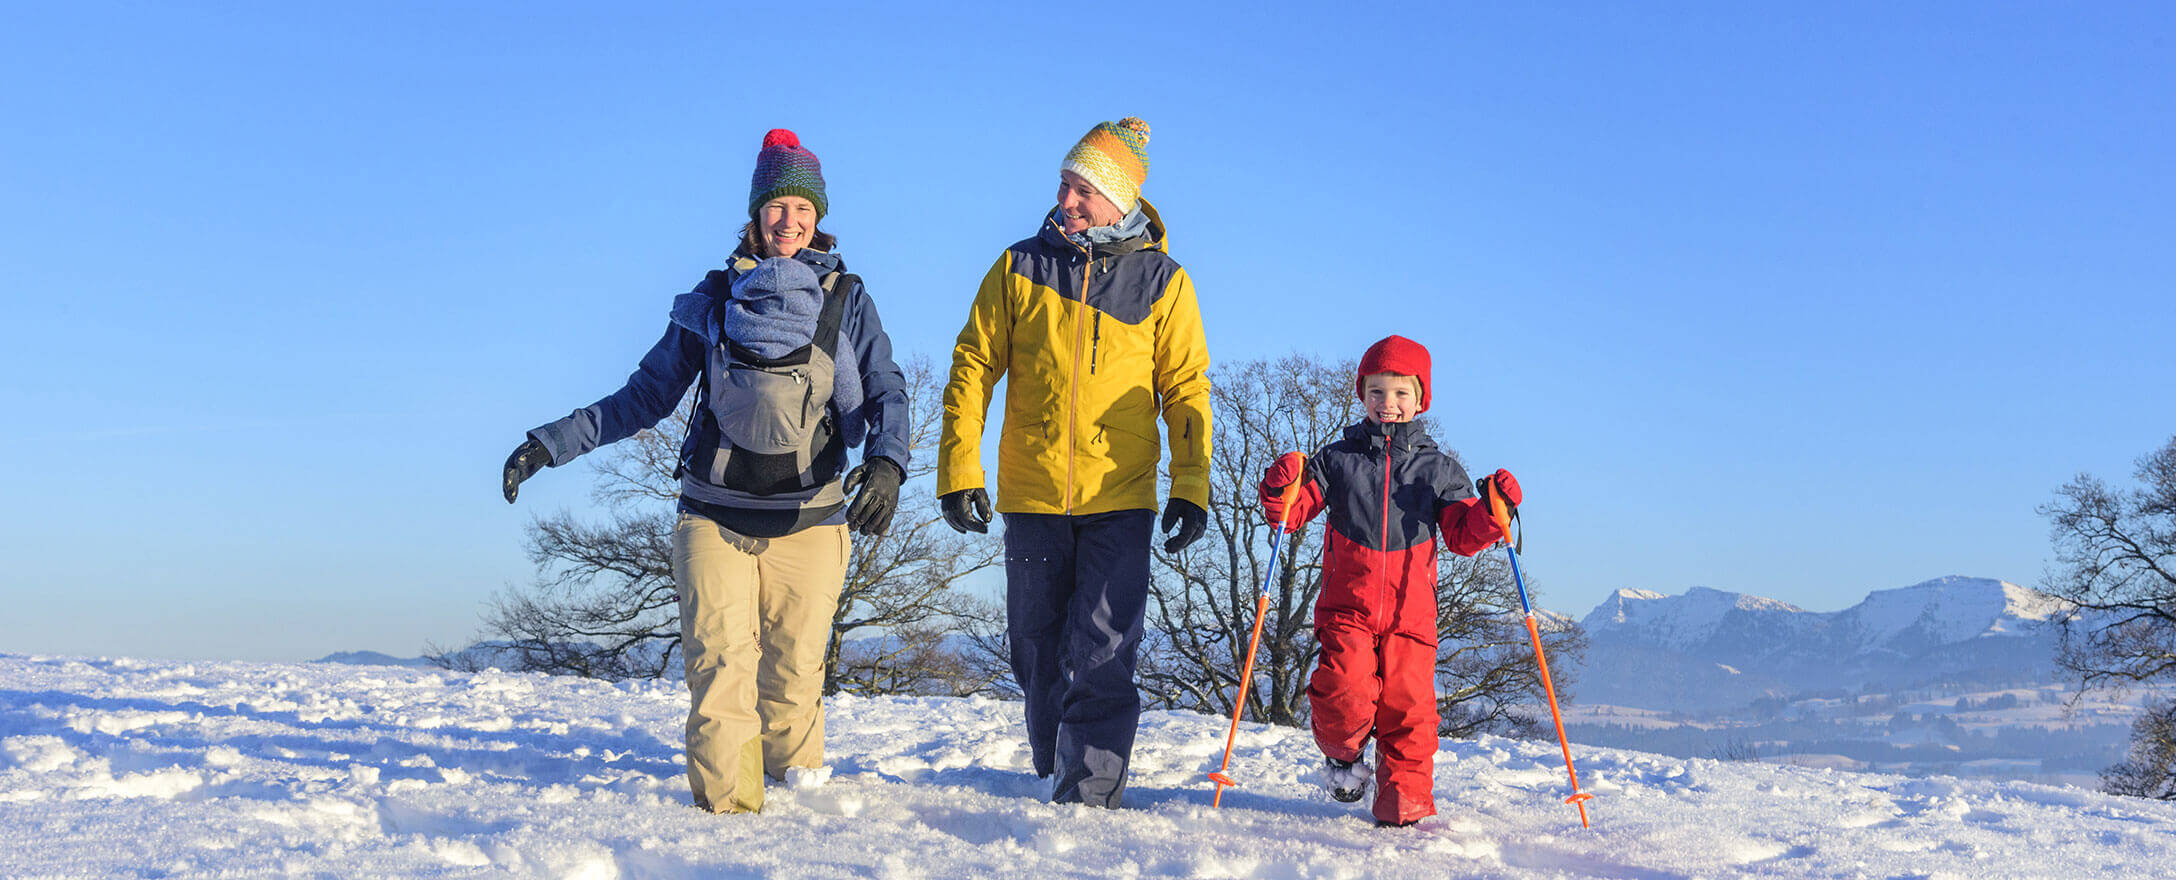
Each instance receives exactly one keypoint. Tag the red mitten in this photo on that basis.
(1282, 473)
(1500, 497)
(1503, 483)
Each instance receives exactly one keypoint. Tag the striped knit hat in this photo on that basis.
(785, 168)
(1114, 157)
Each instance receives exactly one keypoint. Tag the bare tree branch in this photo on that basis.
(2116, 570)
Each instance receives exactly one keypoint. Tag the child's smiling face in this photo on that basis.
(1390, 397)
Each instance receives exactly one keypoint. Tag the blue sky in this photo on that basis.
(1799, 300)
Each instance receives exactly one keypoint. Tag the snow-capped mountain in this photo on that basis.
(1712, 650)
(1944, 611)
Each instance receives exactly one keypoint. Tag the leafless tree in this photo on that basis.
(2149, 771)
(604, 604)
(2116, 570)
(1486, 677)
(1205, 597)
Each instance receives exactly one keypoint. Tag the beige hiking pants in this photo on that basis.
(755, 616)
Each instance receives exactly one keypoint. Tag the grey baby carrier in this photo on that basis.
(763, 426)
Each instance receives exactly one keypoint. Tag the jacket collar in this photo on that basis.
(824, 262)
(1054, 235)
(1402, 436)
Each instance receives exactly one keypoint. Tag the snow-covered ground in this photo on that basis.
(136, 768)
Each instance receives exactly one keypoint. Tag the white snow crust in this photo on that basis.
(131, 768)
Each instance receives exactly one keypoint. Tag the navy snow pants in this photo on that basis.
(1076, 588)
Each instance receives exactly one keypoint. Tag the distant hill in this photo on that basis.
(1711, 650)
(481, 655)
(371, 658)
(1954, 675)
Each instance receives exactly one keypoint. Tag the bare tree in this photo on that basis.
(904, 587)
(2149, 771)
(1205, 597)
(604, 604)
(1486, 677)
(2116, 552)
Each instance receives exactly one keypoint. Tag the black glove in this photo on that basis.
(958, 515)
(871, 512)
(1191, 520)
(528, 458)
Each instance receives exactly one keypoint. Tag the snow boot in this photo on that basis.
(1347, 780)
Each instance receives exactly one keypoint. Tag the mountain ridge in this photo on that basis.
(1714, 650)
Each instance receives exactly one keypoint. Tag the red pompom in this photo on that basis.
(780, 137)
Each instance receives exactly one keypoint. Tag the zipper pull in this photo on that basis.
(1095, 343)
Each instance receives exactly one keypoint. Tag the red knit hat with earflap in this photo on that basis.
(1395, 354)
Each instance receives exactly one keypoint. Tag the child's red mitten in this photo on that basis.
(1280, 474)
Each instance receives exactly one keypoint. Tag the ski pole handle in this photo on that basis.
(1291, 494)
(1500, 511)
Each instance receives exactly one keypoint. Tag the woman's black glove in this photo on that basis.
(1191, 520)
(958, 515)
(871, 512)
(528, 458)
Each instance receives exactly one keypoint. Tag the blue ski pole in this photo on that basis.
(1533, 632)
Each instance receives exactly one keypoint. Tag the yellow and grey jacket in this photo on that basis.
(1095, 344)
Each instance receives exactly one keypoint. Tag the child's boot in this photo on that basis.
(1347, 780)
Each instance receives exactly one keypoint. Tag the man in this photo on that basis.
(1098, 332)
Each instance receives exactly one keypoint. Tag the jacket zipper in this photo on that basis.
(1072, 398)
(1386, 605)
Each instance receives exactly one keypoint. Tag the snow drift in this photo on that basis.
(132, 768)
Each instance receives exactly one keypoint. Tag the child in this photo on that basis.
(1389, 493)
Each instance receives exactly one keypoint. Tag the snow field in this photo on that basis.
(130, 768)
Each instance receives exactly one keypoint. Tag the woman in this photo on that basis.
(795, 370)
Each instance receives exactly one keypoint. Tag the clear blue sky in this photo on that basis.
(1795, 299)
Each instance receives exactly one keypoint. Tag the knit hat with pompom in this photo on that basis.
(1114, 158)
(785, 168)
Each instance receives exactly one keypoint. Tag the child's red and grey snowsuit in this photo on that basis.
(1389, 493)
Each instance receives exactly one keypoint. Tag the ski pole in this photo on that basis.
(1533, 632)
(1261, 609)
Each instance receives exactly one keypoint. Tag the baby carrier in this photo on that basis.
(763, 425)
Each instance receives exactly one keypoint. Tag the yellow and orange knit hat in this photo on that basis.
(1114, 157)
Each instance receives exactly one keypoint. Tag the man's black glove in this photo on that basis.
(1191, 520)
(871, 512)
(528, 458)
(960, 517)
